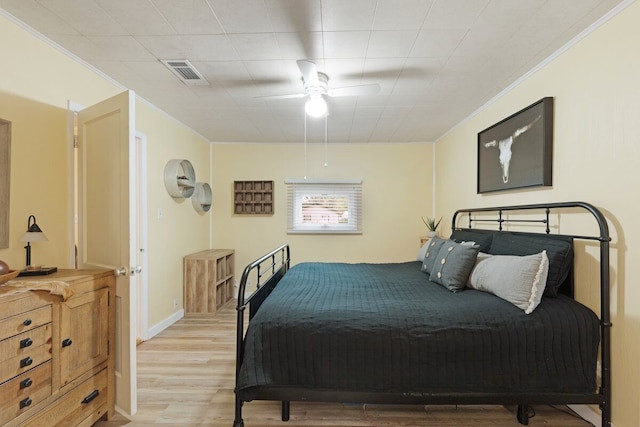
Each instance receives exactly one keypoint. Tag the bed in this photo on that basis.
(429, 331)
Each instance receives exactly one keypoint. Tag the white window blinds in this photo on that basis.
(321, 206)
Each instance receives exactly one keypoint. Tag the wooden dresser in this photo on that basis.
(57, 349)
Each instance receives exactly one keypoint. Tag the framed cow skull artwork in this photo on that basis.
(517, 151)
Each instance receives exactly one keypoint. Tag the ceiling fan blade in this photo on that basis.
(309, 71)
(290, 95)
(355, 90)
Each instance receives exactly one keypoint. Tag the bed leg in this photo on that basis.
(285, 410)
(238, 421)
(523, 415)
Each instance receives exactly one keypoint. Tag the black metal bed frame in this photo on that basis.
(276, 263)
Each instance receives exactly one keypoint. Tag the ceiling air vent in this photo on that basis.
(185, 71)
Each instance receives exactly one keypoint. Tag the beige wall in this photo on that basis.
(596, 86)
(37, 152)
(397, 192)
(181, 230)
(33, 95)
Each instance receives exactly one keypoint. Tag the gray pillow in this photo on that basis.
(453, 265)
(518, 279)
(433, 247)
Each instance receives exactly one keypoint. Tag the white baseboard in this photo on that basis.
(589, 414)
(159, 327)
(122, 412)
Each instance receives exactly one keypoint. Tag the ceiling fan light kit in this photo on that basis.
(316, 106)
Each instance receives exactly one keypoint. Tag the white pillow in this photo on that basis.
(517, 279)
(423, 251)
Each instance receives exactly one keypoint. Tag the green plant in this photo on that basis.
(431, 223)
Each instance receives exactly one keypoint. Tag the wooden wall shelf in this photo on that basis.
(253, 197)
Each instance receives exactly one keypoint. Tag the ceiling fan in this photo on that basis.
(316, 86)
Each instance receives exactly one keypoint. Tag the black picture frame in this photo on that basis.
(517, 152)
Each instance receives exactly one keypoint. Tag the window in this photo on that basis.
(324, 206)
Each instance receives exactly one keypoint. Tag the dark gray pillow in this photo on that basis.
(559, 251)
(453, 265)
(433, 247)
(481, 238)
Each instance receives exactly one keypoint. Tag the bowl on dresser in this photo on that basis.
(8, 276)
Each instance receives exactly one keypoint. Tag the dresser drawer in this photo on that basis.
(26, 321)
(27, 358)
(22, 303)
(24, 392)
(23, 343)
(87, 401)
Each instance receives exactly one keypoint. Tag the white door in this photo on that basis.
(106, 220)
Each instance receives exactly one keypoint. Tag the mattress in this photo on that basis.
(386, 328)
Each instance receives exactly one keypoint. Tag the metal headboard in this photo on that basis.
(603, 238)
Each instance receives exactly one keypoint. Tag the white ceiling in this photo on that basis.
(437, 61)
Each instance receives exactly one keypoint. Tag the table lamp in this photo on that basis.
(34, 234)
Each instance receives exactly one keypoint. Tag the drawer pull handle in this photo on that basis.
(27, 342)
(25, 402)
(26, 362)
(25, 383)
(66, 342)
(91, 396)
(27, 322)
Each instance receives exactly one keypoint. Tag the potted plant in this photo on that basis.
(432, 226)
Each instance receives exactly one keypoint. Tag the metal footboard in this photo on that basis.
(267, 271)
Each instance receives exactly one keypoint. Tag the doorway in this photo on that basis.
(142, 309)
(109, 205)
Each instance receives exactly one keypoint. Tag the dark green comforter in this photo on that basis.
(387, 328)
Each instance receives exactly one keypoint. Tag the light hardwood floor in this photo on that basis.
(186, 378)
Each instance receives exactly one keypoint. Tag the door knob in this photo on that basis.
(122, 271)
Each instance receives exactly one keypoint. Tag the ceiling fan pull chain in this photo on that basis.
(326, 132)
(305, 144)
